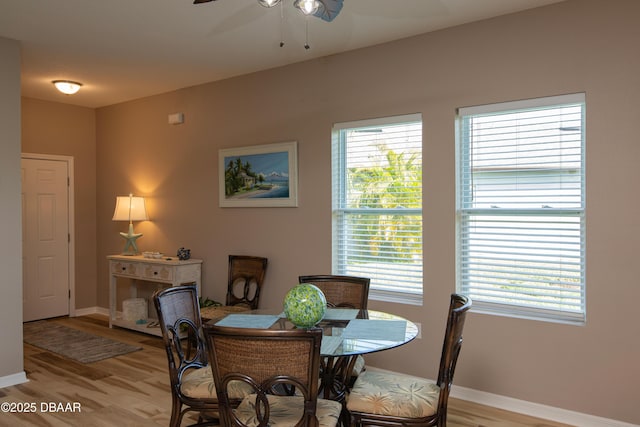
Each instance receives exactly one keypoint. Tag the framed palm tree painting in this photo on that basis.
(259, 175)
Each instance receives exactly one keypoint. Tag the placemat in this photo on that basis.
(368, 329)
(259, 321)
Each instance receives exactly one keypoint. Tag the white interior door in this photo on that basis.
(45, 238)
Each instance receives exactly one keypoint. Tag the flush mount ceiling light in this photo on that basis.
(67, 86)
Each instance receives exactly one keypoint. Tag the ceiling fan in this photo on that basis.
(326, 10)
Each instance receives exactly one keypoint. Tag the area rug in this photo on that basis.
(77, 345)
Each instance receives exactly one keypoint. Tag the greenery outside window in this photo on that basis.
(377, 205)
(521, 208)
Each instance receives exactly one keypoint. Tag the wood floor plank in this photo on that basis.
(75, 368)
(133, 389)
(469, 414)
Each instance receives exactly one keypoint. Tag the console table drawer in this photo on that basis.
(157, 272)
(126, 269)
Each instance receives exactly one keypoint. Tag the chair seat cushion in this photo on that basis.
(198, 384)
(384, 393)
(286, 411)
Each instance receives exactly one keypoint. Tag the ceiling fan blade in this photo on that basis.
(328, 9)
(201, 1)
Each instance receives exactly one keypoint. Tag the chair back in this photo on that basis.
(179, 318)
(341, 291)
(246, 275)
(270, 361)
(458, 308)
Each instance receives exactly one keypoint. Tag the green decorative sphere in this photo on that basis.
(305, 305)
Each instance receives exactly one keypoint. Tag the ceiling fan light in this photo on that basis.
(67, 86)
(308, 7)
(268, 3)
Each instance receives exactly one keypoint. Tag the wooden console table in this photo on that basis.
(165, 272)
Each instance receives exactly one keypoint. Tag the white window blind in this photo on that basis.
(377, 205)
(521, 201)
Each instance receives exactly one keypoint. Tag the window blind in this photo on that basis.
(377, 205)
(521, 200)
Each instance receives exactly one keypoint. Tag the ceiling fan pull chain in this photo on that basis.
(306, 42)
(281, 24)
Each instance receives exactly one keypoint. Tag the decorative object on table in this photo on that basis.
(129, 208)
(259, 176)
(305, 305)
(183, 254)
(155, 255)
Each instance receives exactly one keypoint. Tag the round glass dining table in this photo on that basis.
(347, 333)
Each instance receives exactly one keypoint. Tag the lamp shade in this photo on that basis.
(129, 208)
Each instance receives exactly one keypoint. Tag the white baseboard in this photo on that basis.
(13, 379)
(530, 408)
(91, 310)
(535, 409)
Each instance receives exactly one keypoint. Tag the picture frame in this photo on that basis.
(259, 175)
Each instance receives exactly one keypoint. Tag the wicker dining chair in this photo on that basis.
(380, 398)
(191, 380)
(341, 291)
(246, 276)
(272, 362)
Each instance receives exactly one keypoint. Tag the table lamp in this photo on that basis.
(129, 208)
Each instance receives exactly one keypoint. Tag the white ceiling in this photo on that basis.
(127, 49)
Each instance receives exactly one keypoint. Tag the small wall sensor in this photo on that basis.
(176, 119)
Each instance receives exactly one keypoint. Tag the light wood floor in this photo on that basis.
(133, 389)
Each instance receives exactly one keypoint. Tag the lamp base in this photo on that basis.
(130, 246)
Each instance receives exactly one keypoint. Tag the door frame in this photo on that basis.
(70, 220)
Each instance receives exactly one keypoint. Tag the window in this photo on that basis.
(520, 213)
(377, 205)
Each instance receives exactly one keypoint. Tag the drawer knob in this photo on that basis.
(124, 268)
(155, 273)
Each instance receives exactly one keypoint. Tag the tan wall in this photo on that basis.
(11, 364)
(62, 129)
(578, 45)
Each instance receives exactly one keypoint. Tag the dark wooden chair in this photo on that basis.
(386, 399)
(271, 362)
(191, 379)
(246, 275)
(341, 291)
